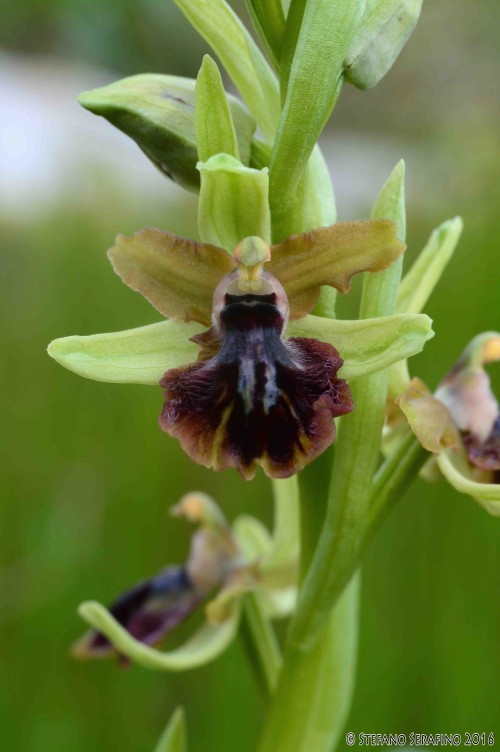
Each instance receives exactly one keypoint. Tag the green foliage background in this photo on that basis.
(88, 477)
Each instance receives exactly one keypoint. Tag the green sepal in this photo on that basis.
(214, 124)
(368, 345)
(133, 356)
(158, 112)
(144, 354)
(204, 646)
(315, 74)
(244, 209)
(174, 738)
(385, 29)
(218, 24)
(419, 282)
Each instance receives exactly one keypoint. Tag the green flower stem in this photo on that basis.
(313, 697)
(286, 530)
(262, 644)
(392, 480)
(356, 453)
(313, 481)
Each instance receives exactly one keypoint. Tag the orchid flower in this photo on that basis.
(460, 423)
(263, 388)
(224, 564)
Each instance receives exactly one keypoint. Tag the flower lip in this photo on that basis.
(255, 398)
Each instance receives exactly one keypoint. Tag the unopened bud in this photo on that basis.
(158, 112)
(385, 29)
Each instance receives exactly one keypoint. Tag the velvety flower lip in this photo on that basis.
(261, 399)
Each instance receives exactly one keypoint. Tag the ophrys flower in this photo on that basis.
(258, 394)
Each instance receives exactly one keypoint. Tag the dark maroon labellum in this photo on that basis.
(256, 398)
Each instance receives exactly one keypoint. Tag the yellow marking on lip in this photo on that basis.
(219, 436)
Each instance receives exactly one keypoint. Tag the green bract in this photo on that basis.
(268, 18)
(419, 282)
(173, 738)
(214, 123)
(386, 27)
(233, 45)
(158, 112)
(317, 35)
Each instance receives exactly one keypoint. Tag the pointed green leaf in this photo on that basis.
(368, 345)
(134, 356)
(417, 285)
(315, 75)
(158, 112)
(204, 646)
(458, 472)
(222, 29)
(382, 35)
(173, 738)
(214, 124)
(233, 202)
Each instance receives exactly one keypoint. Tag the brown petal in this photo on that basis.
(260, 400)
(178, 276)
(331, 256)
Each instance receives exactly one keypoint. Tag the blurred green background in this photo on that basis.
(87, 475)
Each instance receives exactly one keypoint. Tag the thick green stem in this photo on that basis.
(311, 719)
(357, 452)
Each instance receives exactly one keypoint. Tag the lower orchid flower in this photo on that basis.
(225, 563)
(460, 422)
(265, 387)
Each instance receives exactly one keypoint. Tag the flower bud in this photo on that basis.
(386, 27)
(158, 112)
